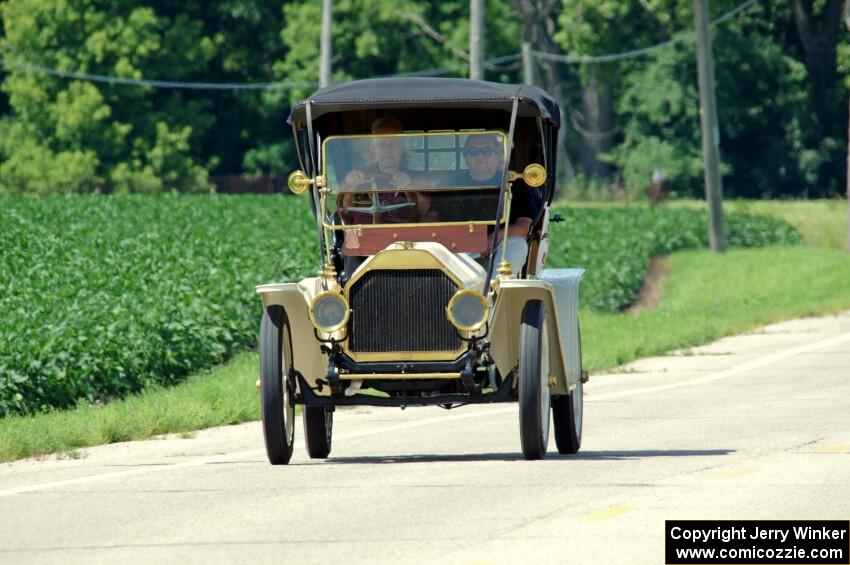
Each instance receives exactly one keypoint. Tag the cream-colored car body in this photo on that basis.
(503, 329)
(505, 322)
(307, 356)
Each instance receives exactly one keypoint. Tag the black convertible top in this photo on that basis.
(384, 93)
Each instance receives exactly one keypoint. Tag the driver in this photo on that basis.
(388, 171)
(484, 158)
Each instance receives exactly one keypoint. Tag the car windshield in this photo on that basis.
(405, 181)
(430, 161)
(415, 177)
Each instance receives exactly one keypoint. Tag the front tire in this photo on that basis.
(533, 381)
(277, 385)
(318, 430)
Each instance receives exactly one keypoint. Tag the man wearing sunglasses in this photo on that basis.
(484, 158)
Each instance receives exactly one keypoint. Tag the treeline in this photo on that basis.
(782, 76)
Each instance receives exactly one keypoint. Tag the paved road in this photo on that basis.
(755, 426)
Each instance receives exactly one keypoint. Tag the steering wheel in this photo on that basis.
(376, 208)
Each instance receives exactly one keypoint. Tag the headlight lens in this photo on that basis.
(329, 311)
(467, 310)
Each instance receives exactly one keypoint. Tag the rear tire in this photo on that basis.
(567, 415)
(533, 381)
(318, 430)
(277, 385)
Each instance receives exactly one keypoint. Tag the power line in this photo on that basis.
(633, 53)
(492, 64)
(280, 85)
(156, 83)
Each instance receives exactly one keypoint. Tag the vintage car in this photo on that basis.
(415, 183)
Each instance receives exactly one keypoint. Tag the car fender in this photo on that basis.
(561, 325)
(295, 298)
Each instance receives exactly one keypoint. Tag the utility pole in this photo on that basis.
(527, 63)
(847, 24)
(476, 39)
(710, 130)
(326, 45)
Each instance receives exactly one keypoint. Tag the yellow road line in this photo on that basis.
(835, 448)
(607, 513)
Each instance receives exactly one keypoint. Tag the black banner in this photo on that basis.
(757, 542)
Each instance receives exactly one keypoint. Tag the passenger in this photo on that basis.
(484, 158)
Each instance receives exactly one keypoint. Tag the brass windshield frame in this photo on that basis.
(505, 151)
(326, 190)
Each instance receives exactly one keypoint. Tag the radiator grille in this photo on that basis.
(401, 311)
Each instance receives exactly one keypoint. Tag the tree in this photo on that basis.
(72, 135)
(779, 65)
(376, 38)
(250, 135)
(764, 118)
(66, 135)
(846, 54)
(818, 24)
(774, 140)
(592, 27)
(539, 24)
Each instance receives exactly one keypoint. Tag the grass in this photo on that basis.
(705, 297)
(708, 296)
(615, 244)
(224, 395)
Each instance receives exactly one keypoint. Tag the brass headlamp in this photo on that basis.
(329, 311)
(467, 310)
